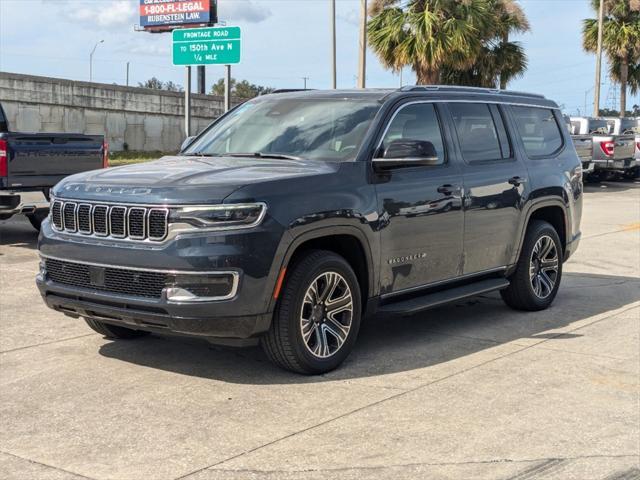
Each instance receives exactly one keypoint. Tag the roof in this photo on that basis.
(452, 92)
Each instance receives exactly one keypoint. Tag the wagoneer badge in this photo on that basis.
(406, 258)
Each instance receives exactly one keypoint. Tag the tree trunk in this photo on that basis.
(427, 76)
(624, 77)
(503, 79)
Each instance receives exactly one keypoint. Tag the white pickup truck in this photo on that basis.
(601, 151)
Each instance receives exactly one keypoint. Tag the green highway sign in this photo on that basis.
(206, 46)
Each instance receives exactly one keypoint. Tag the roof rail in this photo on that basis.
(288, 90)
(463, 89)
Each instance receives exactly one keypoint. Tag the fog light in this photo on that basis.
(202, 287)
(42, 272)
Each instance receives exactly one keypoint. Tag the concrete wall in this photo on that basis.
(140, 118)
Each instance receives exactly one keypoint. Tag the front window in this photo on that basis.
(310, 128)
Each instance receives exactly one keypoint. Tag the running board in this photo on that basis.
(414, 305)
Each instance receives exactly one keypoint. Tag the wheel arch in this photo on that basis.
(553, 211)
(346, 241)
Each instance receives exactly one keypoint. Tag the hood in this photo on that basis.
(184, 180)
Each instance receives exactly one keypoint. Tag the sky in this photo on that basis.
(283, 41)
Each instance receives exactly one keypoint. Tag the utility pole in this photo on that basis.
(227, 88)
(362, 63)
(91, 59)
(187, 102)
(127, 74)
(334, 79)
(202, 80)
(304, 79)
(596, 94)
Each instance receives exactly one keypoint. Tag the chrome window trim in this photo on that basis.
(235, 274)
(442, 100)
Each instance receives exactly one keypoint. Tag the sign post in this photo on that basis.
(187, 102)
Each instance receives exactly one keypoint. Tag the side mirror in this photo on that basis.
(408, 153)
(186, 143)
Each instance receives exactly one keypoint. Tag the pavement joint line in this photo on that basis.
(597, 235)
(46, 465)
(401, 394)
(46, 343)
(429, 464)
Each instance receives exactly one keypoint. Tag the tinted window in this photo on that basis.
(477, 133)
(539, 131)
(416, 122)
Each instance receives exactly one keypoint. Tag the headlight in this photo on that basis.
(218, 217)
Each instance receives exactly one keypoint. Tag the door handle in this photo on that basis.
(448, 189)
(517, 181)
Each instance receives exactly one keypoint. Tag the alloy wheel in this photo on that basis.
(543, 267)
(326, 314)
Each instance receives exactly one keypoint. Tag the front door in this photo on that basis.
(421, 217)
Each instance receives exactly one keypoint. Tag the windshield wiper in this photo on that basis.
(201, 154)
(264, 155)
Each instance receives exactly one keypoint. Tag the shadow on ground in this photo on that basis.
(17, 232)
(389, 345)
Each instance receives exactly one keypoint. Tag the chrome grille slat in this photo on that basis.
(69, 216)
(132, 222)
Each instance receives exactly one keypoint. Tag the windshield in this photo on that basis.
(312, 128)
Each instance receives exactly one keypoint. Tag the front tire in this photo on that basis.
(317, 318)
(37, 218)
(535, 282)
(114, 332)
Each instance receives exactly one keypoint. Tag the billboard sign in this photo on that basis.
(207, 46)
(162, 14)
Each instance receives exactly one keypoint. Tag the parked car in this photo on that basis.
(601, 151)
(32, 163)
(290, 219)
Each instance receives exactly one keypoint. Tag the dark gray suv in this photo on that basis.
(297, 214)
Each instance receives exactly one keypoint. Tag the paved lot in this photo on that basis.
(473, 390)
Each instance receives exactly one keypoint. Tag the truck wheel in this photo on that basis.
(37, 218)
(535, 282)
(317, 317)
(113, 331)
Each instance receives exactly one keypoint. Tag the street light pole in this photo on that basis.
(596, 94)
(362, 63)
(334, 79)
(91, 60)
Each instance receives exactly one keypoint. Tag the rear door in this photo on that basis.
(421, 209)
(495, 183)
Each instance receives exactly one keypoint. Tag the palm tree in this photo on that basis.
(449, 41)
(620, 40)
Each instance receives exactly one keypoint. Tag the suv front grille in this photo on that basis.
(107, 279)
(115, 221)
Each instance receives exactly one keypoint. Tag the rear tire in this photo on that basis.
(113, 331)
(317, 317)
(37, 218)
(535, 282)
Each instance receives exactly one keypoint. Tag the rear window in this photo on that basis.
(477, 134)
(539, 130)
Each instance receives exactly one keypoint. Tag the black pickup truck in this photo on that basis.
(32, 163)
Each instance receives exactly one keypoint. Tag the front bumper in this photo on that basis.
(244, 315)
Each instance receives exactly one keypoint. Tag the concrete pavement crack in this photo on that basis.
(46, 465)
(393, 397)
(46, 343)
